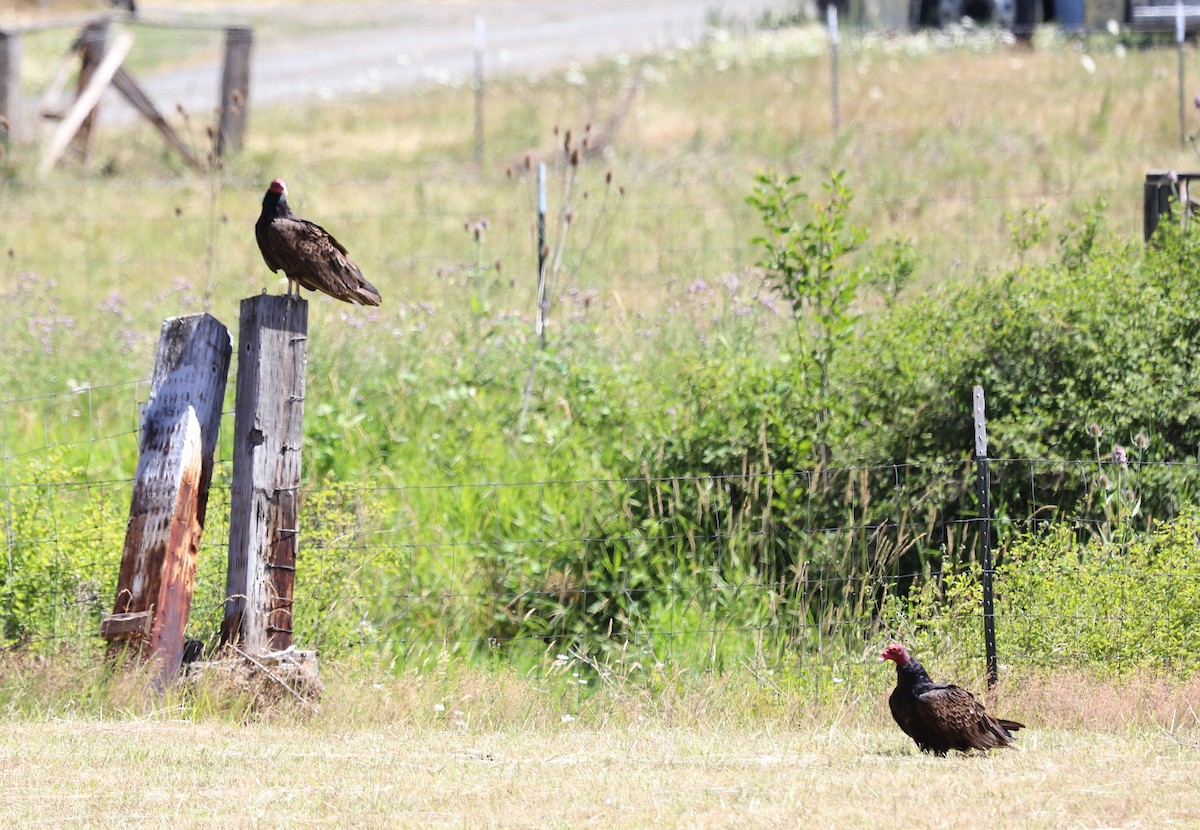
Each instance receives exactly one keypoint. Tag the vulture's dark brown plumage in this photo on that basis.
(307, 253)
(940, 716)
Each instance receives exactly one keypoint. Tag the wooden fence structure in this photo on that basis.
(101, 65)
(179, 428)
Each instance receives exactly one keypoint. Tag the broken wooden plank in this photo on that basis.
(132, 625)
(86, 102)
(135, 95)
(264, 501)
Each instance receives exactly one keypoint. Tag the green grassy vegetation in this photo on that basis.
(664, 494)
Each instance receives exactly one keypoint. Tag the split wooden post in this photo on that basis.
(10, 85)
(264, 503)
(235, 89)
(170, 492)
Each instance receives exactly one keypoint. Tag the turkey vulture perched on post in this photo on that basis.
(307, 253)
(940, 716)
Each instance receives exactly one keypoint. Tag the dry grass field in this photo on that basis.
(476, 762)
(156, 773)
(455, 747)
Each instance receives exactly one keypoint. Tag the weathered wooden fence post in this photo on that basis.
(235, 89)
(268, 426)
(93, 45)
(10, 85)
(170, 492)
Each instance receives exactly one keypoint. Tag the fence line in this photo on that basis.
(504, 567)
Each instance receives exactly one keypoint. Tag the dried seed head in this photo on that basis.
(238, 97)
(178, 211)
(1095, 430)
(210, 132)
(570, 216)
(508, 172)
(556, 129)
(528, 162)
(575, 158)
(621, 190)
(545, 250)
(608, 177)
(499, 266)
(1141, 441)
(585, 194)
(567, 141)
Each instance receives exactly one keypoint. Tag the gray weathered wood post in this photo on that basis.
(235, 89)
(179, 430)
(10, 85)
(264, 503)
(93, 43)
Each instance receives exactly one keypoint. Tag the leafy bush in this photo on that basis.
(1123, 606)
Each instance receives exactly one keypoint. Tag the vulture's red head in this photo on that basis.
(897, 653)
(279, 187)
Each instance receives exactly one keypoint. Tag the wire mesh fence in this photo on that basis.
(775, 570)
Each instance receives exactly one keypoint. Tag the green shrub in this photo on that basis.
(1123, 606)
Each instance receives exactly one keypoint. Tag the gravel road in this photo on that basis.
(331, 50)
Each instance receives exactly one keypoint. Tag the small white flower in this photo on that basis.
(439, 707)
(566, 718)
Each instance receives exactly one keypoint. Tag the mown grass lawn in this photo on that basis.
(163, 773)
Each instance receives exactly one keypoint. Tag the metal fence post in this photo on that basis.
(479, 43)
(831, 24)
(984, 488)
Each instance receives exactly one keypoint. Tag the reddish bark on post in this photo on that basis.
(170, 493)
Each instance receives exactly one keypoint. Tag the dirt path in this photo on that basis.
(372, 47)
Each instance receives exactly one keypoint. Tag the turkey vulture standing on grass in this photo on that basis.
(307, 253)
(940, 716)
